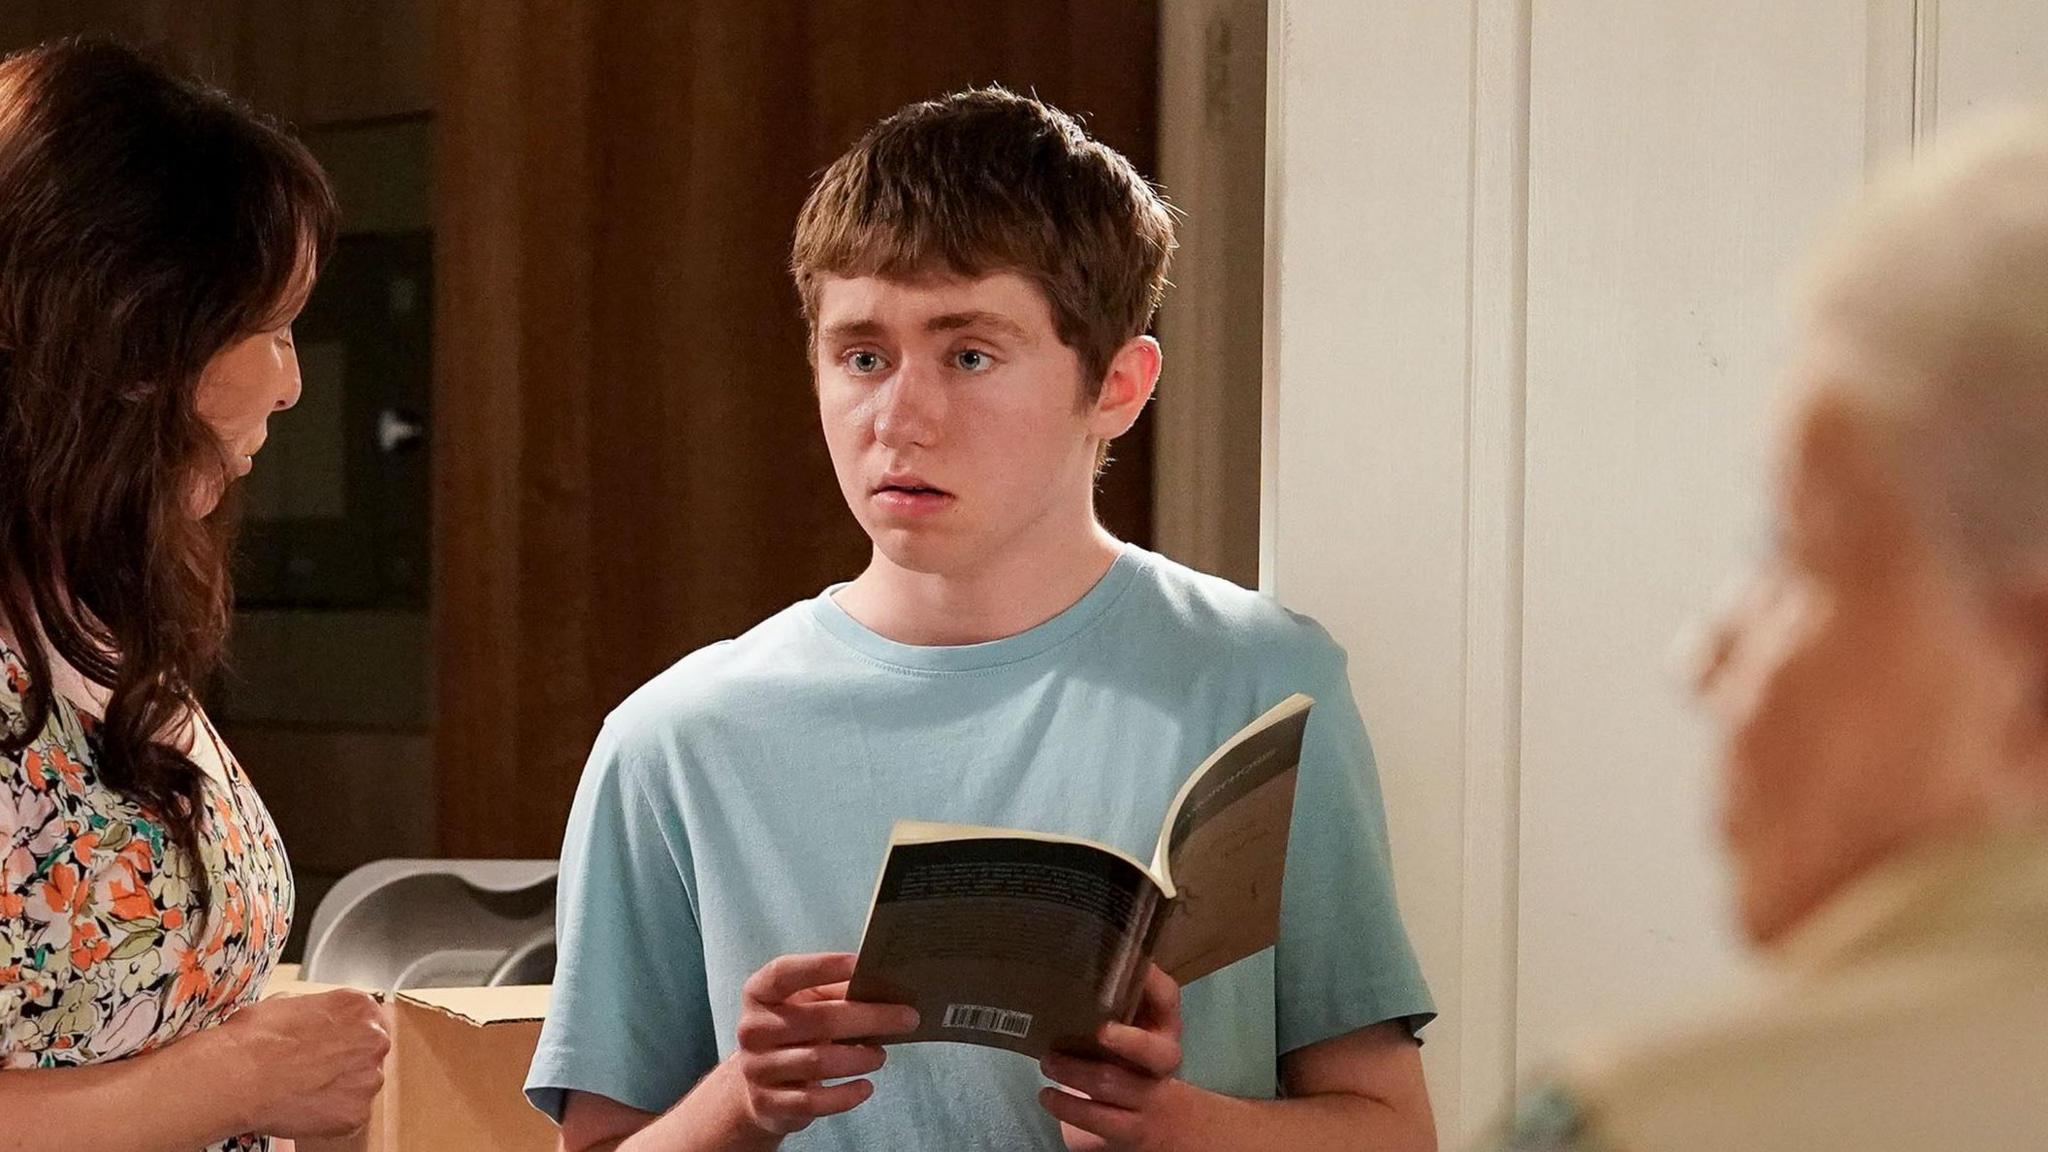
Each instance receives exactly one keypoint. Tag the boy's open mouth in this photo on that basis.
(909, 495)
(909, 484)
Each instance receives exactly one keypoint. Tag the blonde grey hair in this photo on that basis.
(1935, 293)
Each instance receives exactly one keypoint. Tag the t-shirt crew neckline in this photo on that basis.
(1035, 641)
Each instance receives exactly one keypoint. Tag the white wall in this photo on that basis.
(1366, 482)
(1983, 53)
(1679, 156)
(1523, 322)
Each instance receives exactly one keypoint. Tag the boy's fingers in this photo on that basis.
(803, 1105)
(821, 992)
(785, 976)
(837, 1098)
(1154, 1053)
(1109, 1084)
(822, 1062)
(765, 1028)
(1159, 1001)
(1112, 1124)
(849, 1019)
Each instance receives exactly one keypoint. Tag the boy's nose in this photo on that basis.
(908, 410)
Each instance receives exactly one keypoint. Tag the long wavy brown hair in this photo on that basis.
(147, 222)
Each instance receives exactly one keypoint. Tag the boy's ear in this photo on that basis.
(1126, 387)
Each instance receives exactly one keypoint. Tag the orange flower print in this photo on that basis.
(231, 911)
(70, 771)
(237, 985)
(191, 980)
(89, 946)
(33, 771)
(131, 902)
(96, 927)
(65, 893)
(136, 856)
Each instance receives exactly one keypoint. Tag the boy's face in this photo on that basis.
(956, 418)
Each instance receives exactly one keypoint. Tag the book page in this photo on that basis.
(1015, 942)
(1224, 851)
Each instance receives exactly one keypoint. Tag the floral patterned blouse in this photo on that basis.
(102, 954)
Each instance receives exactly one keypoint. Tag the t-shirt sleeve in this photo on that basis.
(629, 1016)
(1343, 961)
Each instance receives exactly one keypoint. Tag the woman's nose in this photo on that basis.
(293, 388)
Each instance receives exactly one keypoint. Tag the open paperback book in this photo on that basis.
(1031, 942)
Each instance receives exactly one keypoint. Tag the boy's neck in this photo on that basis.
(1003, 598)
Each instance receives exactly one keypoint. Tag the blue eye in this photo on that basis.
(974, 360)
(863, 363)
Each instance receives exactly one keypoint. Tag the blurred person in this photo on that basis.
(978, 277)
(1882, 692)
(156, 240)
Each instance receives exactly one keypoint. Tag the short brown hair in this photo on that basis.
(988, 181)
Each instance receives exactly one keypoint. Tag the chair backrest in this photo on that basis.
(436, 924)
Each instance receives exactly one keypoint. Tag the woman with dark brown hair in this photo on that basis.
(156, 240)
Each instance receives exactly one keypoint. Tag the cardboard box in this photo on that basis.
(452, 1081)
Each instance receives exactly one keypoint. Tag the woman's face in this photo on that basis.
(1866, 692)
(243, 385)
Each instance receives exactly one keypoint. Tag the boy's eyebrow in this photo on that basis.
(851, 330)
(953, 321)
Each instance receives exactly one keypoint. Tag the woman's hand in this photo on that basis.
(314, 1064)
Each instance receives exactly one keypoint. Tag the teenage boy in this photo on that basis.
(977, 276)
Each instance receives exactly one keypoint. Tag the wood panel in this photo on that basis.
(363, 60)
(1212, 136)
(628, 460)
(199, 33)
(310, 61)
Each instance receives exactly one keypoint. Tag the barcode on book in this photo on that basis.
(980, 1019)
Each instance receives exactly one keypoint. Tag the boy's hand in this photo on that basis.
(1132, 1098)
(794, 1017)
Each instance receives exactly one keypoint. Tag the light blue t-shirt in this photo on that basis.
(736, 808)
